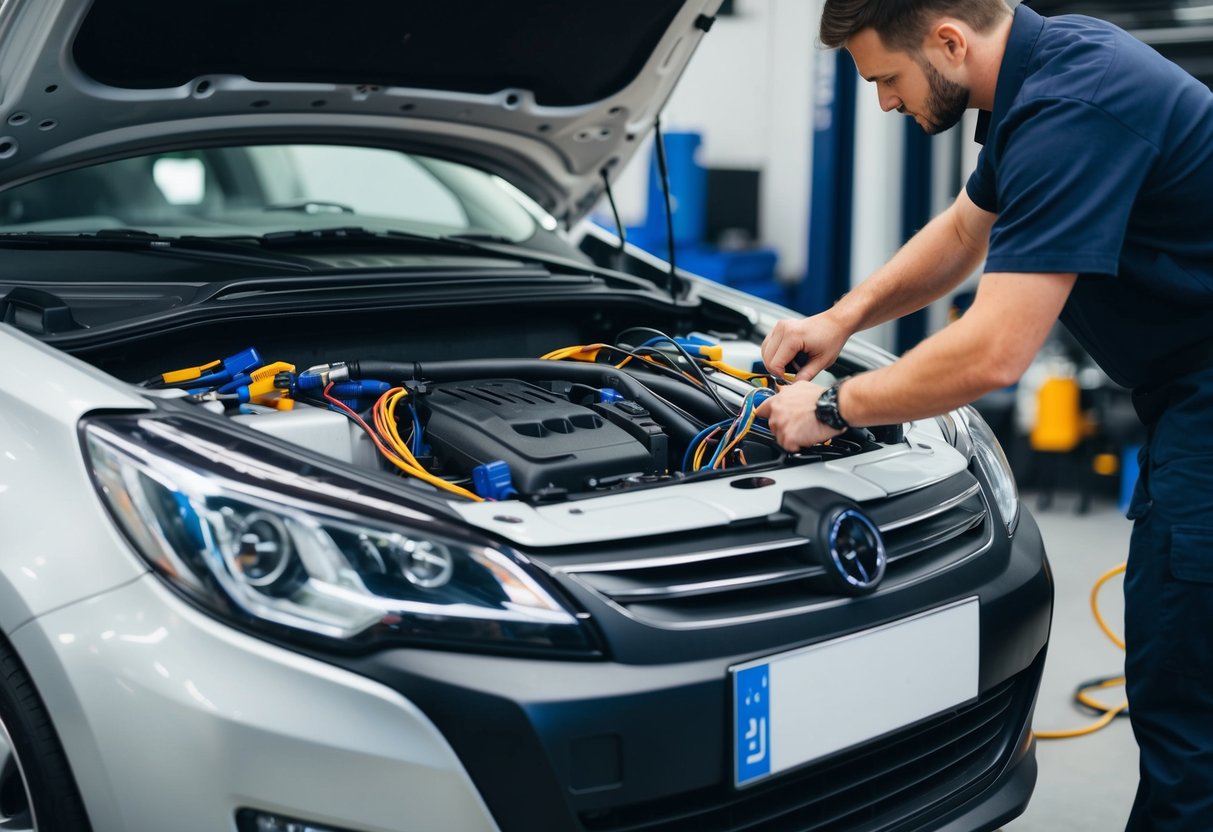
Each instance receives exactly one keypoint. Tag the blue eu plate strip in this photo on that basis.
(752, 693)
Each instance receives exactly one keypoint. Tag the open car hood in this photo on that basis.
(545, 93)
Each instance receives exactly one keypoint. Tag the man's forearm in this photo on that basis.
(939, 375)
(936, 260)
(987, 349)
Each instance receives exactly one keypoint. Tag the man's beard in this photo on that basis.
(946, 103)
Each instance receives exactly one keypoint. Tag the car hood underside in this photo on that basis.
(548, 94)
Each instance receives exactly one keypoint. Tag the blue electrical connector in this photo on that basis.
(606, 395)
(308, 381)
(694, 341)
(213, 373)
(692, 344)
(366, 388)
(493, 480)
(315, 378)
(242, 380)
(234, 366)
(242, 362)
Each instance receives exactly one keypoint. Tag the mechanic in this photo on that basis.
(1092, 202)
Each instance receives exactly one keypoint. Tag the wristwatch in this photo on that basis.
(827, 409)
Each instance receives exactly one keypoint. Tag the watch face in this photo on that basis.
(827, 410)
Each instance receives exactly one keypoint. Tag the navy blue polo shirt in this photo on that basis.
(1098, 159)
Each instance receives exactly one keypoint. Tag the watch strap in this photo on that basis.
(827, 409)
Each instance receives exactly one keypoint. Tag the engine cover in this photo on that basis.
(546, 439)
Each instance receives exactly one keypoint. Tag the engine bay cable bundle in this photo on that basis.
(656, 360)
(580, 420)
(682, 424)
(734, 431)
(387, 439)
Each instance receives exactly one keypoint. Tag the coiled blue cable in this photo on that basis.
(752, 400)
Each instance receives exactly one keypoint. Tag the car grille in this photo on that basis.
(924, 531)
(918, 773)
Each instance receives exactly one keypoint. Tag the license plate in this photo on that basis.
(800, 706)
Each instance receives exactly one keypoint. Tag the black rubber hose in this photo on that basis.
(533, 369)
(686, 395)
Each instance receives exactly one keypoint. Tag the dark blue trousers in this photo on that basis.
(1169, 613)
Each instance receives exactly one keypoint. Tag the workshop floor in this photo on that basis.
(1085, 783)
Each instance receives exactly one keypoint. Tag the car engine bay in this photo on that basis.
(579, 420)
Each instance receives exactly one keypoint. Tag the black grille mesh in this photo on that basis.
(920, 771)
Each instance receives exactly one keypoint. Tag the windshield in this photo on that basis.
(255, 190)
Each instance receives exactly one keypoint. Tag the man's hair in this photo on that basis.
(903, 24)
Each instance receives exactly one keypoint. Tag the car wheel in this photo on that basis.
(37, 791)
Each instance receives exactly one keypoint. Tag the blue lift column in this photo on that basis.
(829, 257)
(915, 213)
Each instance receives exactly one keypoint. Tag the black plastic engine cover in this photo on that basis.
(546, 439)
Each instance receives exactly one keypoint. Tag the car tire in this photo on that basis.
(37, 790)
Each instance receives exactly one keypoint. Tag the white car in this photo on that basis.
(352, 481)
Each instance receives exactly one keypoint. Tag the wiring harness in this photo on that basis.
(391, 445)
(726, 445)
(703, 408)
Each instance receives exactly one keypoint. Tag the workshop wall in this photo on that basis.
(748, 91)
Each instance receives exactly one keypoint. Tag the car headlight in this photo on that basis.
(258, 537)
(992, 461)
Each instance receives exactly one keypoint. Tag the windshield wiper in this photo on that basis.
(469, 243)
(270, 249)
(357, 235)
(311, 206)
(224, 250)
(273, 249)
(354, 236)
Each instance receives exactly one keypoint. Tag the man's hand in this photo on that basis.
(791, 415)
(820, 337)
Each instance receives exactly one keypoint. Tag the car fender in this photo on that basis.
(58, 538)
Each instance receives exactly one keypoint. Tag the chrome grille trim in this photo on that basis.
(655, 593)
(943, 507)
(680, 560)
(926, 531)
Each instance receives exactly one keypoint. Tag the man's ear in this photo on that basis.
(949, 40)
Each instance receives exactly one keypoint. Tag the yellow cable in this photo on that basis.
(392, 427)
(1110, 711)
(725, 440)
(1103, 625)
(188, 373)
(385, 423)
(384, 413)
(590, 352)
(743, 375)
(1092, 702)
(1108, 716)
(581, 352)
(720, 461)
(699, 452)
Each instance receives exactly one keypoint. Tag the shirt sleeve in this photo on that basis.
(980, 186)
(1066, 183)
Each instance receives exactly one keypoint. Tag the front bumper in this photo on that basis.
(610, 746)
(174, 720)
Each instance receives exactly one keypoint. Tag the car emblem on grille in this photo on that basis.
(840, 537)
(856, 553)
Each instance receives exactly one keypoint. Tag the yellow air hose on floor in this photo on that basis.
(1083, 694)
